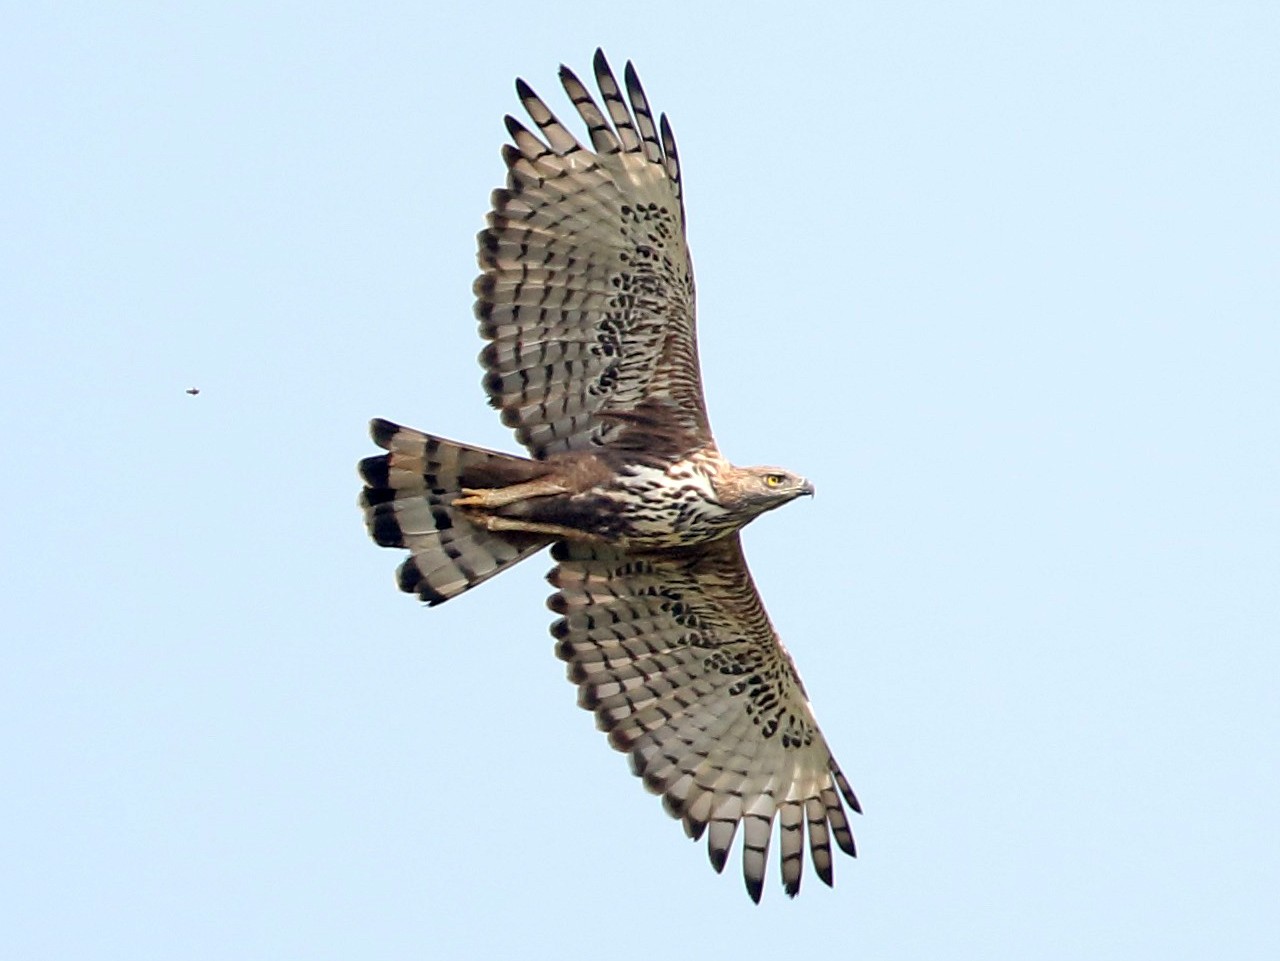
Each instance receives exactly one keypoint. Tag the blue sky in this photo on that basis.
(1000, 278)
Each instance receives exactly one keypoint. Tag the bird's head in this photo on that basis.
(755, 490)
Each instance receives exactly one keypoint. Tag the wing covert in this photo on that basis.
(586, 292)
(677, 659)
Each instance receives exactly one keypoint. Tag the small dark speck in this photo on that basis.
(193, 391)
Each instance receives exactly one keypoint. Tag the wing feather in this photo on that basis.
(587, 246)
(677, 659)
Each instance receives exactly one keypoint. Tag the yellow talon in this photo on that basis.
(472, 498)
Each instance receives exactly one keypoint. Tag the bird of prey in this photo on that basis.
(586, 299)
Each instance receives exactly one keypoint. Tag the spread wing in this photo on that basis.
(586, 292)
(675, 655)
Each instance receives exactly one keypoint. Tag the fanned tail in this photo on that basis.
(408, 502)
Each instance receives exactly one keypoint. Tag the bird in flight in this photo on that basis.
(586, 300)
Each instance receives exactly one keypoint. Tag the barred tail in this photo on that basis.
(407, 502)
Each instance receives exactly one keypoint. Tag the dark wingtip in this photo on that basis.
(375, 471)
(385, 529)
(588, 697)
(410, 580)
(844, 838)
(373, 496)
(672, 805)
(524, 91)
(718, 858)
(755, 888)
(826, 873)
(408, 576)
(568, 74)
(499, 197)
(632, 80)
(382, 431)
(845, 787)
(792, 884)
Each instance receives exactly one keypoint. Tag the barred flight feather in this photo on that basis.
(676, 657)
(589, 246)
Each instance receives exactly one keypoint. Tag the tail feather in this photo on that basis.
(407, 501)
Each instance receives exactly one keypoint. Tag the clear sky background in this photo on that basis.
(1000, 277)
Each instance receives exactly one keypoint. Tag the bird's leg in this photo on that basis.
(491, 497)
(496, 523)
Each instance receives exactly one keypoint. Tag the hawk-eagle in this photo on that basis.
(586, 299)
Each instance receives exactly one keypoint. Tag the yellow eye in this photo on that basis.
(773, 480)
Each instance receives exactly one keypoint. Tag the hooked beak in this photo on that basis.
(807, 489)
